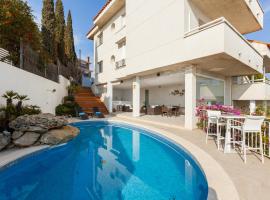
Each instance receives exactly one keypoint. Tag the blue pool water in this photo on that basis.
(107, 161)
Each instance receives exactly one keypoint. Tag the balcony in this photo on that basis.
(120, 34)
(218, 47)
(245, 89)
(245, 15)
(120, 64)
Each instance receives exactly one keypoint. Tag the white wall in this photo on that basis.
(157, 95)
(256, 91)
(37, 88)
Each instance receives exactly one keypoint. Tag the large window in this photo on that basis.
(211, 90)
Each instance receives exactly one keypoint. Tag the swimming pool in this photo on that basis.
(107, 161)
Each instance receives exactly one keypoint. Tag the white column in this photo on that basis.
(252, 106)
(110, 96)
(228, 91)
(136, 97)
(190, 97)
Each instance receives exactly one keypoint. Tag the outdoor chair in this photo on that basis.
(176, 111)
(214, 125)
(154, 110)
(251, 135)
(97, 113)
(164, 110)
(81, 114)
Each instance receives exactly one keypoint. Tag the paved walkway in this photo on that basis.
(252, 180)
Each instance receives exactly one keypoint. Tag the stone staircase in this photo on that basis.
(87, 100)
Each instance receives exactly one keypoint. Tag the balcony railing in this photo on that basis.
(266, 137)
(246, 80)
(215, 23)
(120, 64)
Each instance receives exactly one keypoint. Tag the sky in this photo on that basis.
(83, 12)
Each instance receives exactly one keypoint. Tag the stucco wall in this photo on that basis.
(157, 95)
(38, 89)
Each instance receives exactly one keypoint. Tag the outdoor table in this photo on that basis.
(228, 119)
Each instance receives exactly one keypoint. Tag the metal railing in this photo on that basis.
(247, 80)
(120, 64)
(266, 136)
(4, 56)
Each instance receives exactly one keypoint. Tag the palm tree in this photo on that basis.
(20, 99)
(9, 96)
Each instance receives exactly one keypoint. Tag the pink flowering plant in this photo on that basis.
(202, 107)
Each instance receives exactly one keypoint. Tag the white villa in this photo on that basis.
(175, 52)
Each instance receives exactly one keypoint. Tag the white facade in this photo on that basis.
(155, 38)
(42, 92)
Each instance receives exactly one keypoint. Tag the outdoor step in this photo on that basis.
(87, 100)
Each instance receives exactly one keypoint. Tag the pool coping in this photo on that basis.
(221, 187)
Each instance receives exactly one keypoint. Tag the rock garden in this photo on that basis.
(32, 129)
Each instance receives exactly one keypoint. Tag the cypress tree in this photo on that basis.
(59, 30)
(47, 28)
(69, 40)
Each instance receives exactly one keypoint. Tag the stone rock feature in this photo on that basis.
(28, 139)
(58, 136)
(37, 123)
(4, 140)
(16, 134)
(33, 130)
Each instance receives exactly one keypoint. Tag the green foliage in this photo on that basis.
(60, 30)
(17, 24)
(69, 40)
(73, 88)
(30, 110)
(69, 98)
(67, 109)
(259, 111)
(47, 29)
(9, 96)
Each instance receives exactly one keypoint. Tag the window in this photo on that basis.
(123, 20)
(113, 59)
(113, 26)
(100, 39)
(211, 90)
(100, 67)
(122, 49)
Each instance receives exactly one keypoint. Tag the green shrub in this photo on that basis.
(30, 110)
(67, 109)
(69, 98)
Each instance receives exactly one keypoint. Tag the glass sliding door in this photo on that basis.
(210, 89)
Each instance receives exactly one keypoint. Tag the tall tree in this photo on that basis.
(69, 40)
(60, 30)
(47, 28)
(17, 24)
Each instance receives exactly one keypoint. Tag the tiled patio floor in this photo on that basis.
(175, 122)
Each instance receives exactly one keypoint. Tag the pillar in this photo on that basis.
(136, 97)
(252, 106)
(190, 97)
(110, 96)
(228, 91)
